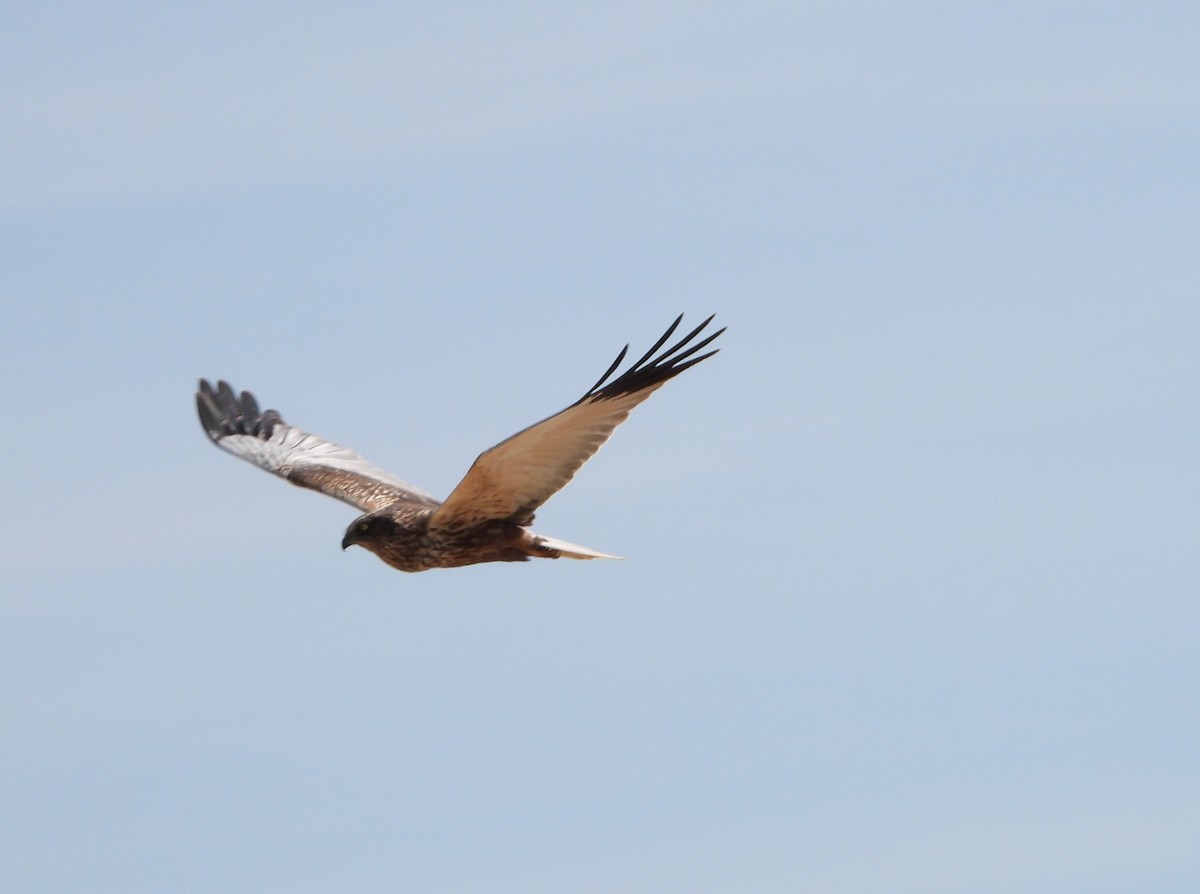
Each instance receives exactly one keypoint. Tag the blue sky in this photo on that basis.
(910, 601)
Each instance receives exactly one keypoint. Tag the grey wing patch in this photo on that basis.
(235, 424)
(512, 479)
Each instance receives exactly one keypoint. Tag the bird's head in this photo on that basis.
(369, 531)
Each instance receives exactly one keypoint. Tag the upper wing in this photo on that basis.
(235, 425)
(518, 475)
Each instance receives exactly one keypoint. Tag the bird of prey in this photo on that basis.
(486, 518)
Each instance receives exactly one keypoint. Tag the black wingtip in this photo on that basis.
(224, 412)
(647, 371)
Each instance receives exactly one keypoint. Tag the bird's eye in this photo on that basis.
(364, 526)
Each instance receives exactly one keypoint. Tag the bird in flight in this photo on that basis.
(486, 518)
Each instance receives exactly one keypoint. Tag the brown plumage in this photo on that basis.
(486, 517)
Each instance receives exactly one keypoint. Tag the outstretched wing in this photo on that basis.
(235, 424)
(518, 475)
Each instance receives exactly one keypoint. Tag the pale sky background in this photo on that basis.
(912, 596)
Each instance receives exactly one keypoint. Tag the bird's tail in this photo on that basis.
(569, 550)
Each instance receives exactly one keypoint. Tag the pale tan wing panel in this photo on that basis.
(511, 480)
(235, 424)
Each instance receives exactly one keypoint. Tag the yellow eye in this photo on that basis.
(364, 526)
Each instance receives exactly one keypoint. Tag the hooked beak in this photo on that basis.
(349, 539)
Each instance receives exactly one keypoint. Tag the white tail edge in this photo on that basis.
(571, 550)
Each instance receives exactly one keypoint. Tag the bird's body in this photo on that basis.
(402, 537)
(486, 518)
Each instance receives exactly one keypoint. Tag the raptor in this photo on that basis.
(487, 516)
